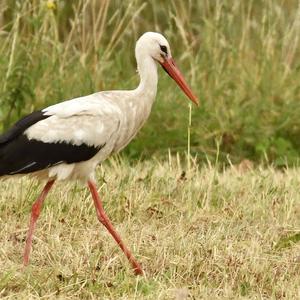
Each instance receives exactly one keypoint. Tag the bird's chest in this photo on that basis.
(132, 122)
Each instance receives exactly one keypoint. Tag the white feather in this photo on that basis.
(87, 120)
(95, 104)
(61, 172)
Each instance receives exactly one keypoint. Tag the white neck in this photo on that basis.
(147, 69)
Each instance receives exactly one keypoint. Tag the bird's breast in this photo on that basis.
(133, 119)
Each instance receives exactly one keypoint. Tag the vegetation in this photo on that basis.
(200, 230)
(200, 233)
(241, 57)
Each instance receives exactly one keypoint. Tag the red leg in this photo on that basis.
(35, 212)
(102, 217)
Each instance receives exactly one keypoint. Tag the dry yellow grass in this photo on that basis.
(206, 234)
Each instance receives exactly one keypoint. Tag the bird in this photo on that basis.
(66, 141)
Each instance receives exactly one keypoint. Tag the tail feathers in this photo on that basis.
(2, 161)
(12, 155)
(6, 164)
(14, 160)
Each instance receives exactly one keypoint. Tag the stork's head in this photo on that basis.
(156, 45)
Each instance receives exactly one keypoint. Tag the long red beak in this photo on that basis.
(171, 68)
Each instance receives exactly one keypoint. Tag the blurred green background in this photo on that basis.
(241, 57)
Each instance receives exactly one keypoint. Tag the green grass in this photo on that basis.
(203, 233)
(241, 58)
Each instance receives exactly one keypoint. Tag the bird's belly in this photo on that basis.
(76, 171)
(82, 171)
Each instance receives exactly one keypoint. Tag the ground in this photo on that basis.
(199, 232)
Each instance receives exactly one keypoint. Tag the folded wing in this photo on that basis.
(56, 135)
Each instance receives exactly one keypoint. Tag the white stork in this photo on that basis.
(66, 141)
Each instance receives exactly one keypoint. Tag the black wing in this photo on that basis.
(19, 155)
(19, 127)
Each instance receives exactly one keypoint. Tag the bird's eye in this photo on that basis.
(164, 49)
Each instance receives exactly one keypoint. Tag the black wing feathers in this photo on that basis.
(22, 156)
(19, 155)
(19, 127)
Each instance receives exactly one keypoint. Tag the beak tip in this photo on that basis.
(196, 101)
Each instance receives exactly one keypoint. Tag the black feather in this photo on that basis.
(22, 156)
(19, 127)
